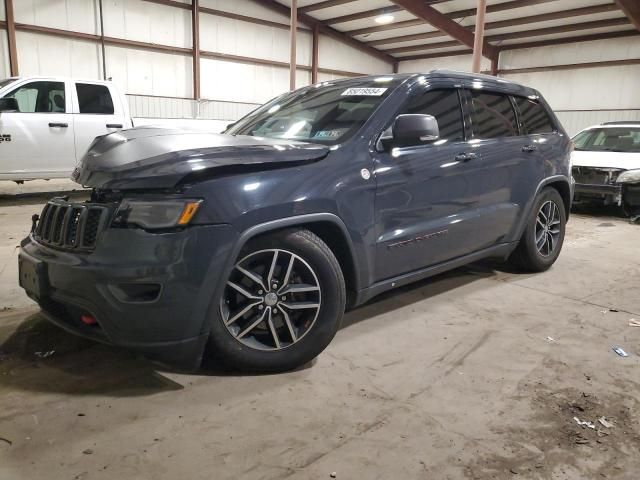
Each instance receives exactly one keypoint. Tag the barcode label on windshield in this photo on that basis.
(364, 92)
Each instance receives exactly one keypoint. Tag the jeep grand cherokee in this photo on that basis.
(249, 245)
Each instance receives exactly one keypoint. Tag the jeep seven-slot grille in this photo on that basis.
(71, 225)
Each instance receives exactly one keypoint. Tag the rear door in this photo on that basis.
(511, 168)
(543, 140)
(97, 111)
(38, 140)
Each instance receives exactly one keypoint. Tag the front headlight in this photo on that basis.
(157, 214)
(630, 176)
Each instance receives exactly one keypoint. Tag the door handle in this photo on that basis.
(114, 125)
(529, 148)
(58, 124)
(465, 157)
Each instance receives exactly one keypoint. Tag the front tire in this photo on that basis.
(543, 236)
(282, 303)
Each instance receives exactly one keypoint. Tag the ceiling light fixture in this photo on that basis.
(384, 19)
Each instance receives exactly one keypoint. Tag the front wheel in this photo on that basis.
(543, 236)
(282, 303)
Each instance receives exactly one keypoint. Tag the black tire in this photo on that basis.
(316, 255)
(527, 256)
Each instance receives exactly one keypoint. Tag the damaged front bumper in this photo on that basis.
(606, 186)
(145, 291)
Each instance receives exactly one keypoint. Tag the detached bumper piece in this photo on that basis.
(597, 185)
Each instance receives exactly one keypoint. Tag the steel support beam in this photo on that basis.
(535, 44)
(631, 9)
(614, 22)
(331, 32)
(478, 40)
(293, 60)
(169, 49)
(511, 22)
(495, 62)
(315, 51)
(324, 4)
(11, 37)
(442, 22)
(103, 50)
(195, 33)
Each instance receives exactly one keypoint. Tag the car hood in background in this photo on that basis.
(151, 157)
(626, 161)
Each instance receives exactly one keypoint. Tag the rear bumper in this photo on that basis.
(149, 292)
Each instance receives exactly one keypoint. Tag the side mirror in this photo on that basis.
(9, 104)
(414, 129)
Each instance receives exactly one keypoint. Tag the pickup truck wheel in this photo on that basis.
(543, 236)
(282, 303)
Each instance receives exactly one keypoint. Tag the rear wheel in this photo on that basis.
(543, 236)
(282, 303)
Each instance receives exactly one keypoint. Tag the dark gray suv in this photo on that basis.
(249, 245)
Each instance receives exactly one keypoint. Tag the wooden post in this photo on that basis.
(315, 53)
(195, 31)
(294, 31)
(479, 36)
(11, 37)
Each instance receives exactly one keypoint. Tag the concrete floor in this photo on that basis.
(474, 374)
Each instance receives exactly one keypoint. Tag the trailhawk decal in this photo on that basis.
(411, 241)
(364, 92)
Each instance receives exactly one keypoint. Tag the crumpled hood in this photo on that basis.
(623, 160)
(152, 157)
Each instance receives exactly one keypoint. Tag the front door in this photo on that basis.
(427, 195)
(38, 140)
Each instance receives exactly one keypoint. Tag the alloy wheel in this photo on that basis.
(547, 228)
(271, 300)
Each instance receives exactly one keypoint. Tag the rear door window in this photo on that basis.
(534, 118)
(94, 99)
(444, 105)
(492, 115)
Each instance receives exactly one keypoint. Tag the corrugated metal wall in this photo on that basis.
(160, 85)
(581, 97)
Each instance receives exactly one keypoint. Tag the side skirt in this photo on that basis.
(502, 250)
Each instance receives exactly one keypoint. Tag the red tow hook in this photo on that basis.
(88, 320)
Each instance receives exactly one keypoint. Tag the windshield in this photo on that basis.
(327, 113)
(618, 139)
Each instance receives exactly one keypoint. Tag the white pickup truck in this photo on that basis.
(48, 123)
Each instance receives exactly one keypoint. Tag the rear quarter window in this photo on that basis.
(534, 118)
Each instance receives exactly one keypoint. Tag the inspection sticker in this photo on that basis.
(364, 92)
(330, 133)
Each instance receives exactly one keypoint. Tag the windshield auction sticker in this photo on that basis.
(364, 92)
